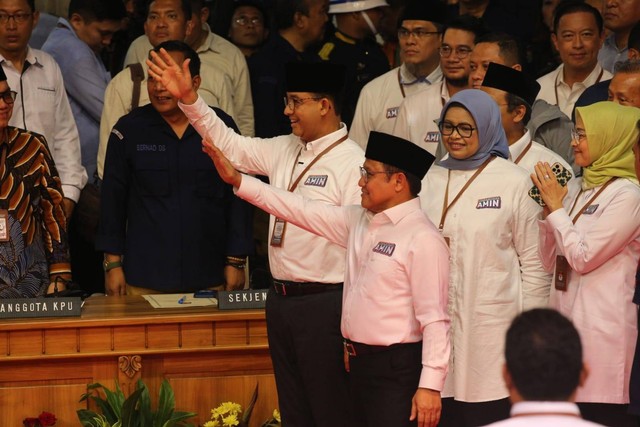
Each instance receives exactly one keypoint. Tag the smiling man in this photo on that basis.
(577, 35)
(317, 161)
(168, 223)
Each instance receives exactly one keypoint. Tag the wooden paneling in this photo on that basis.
(208, 356)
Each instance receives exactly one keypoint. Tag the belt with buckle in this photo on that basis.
(288, 288)
(353, 348)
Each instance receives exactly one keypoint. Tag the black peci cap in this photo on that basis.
(398, 152)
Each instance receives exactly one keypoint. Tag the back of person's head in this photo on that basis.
(634, 38)
(189, 53)
(184, 5)
(468, 23)
(574, 6)
(543, 355)
(98, 10)
(507, 44)
(631, 66)
(286, 10)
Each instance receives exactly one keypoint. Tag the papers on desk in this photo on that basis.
(179, 300)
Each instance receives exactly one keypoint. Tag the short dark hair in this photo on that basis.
(98, 10)
(286, 9)
(634, 37)
(514, 101)
(189, 53)
(544, 355)
(335, 98)
(573, 6)
(507, 44)
(415, 183)
(256, 4)
(185, 5)
(467, 23)
(32, 5)
(630, 66)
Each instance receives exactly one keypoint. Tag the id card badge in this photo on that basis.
(4, 225)
(562, 273)
(279, 227)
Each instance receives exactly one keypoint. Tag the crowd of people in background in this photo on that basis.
(488, 144)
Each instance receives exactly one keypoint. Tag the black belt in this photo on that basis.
(287, 288)
(353, 348)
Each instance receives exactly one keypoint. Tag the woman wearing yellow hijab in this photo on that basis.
(590, 240)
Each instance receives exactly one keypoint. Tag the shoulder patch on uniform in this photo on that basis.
(326, 51)
(117, 133)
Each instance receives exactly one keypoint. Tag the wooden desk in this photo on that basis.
(208, 356)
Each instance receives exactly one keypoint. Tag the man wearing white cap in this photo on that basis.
(352, 44)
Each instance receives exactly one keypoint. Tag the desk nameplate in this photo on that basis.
(40, 307)
(237, 300)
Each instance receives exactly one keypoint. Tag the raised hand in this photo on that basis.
(175, 78)
(224, 167)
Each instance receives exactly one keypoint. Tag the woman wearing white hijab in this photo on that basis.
(480, 202)
(591, 241)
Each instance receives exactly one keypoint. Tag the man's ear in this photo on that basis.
(76, 20)
(506, 376)
(204, 15)
(584, 374)
(196, 82)
(518, 113)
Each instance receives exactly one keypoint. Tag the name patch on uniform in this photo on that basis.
(117, 133)
(392, 113)
(385, 248)
(489, 203)
(432, 137)
(591, 209)
(150, 147)
(316, 180)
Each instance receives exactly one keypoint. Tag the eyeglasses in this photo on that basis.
(366, 175)
(294, 103)
(465, 130)
(242, 21)
(461, 52)
(577, 136)
(8, 96)
(19, 17)
(419, 33)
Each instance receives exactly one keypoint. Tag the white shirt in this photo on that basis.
(42, 106)
(380, 100)
(333, 179)
(217, 54)
(117, 100)
(418, 115)
(395, 286)
(495, 270)
(555, 91)
(603, 249)
(539, 414)
(536, 153)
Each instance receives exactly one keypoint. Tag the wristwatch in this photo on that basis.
(110, 265)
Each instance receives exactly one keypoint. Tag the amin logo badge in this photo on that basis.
(432, 137)
(316, 180)
(591, 210)
(385, 248)
(392, 113)
(490, 203)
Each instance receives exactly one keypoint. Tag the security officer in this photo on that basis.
(352, 44)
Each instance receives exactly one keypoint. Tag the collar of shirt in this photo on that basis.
(517, 147)
(396, 213)
(444, 92)
(408, 79)
(534, 408)
(610, 43)
(318, 145)
(589, 81)
(32, 58)
(345, 38)
(210, 43)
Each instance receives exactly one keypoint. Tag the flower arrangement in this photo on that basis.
(230, 414)
(45, 419)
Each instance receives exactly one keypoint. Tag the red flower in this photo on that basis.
(47, 419)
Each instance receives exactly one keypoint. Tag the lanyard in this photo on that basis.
(315, 159)
(400, 84)
(555, 86)
(591, 200)
(445, 205)
(524, 152)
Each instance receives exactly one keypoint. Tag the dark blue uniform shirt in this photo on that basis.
(165, 208)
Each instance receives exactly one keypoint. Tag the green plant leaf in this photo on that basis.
(247, 413)
(130, 414)
(166, 404)
(144, 406)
